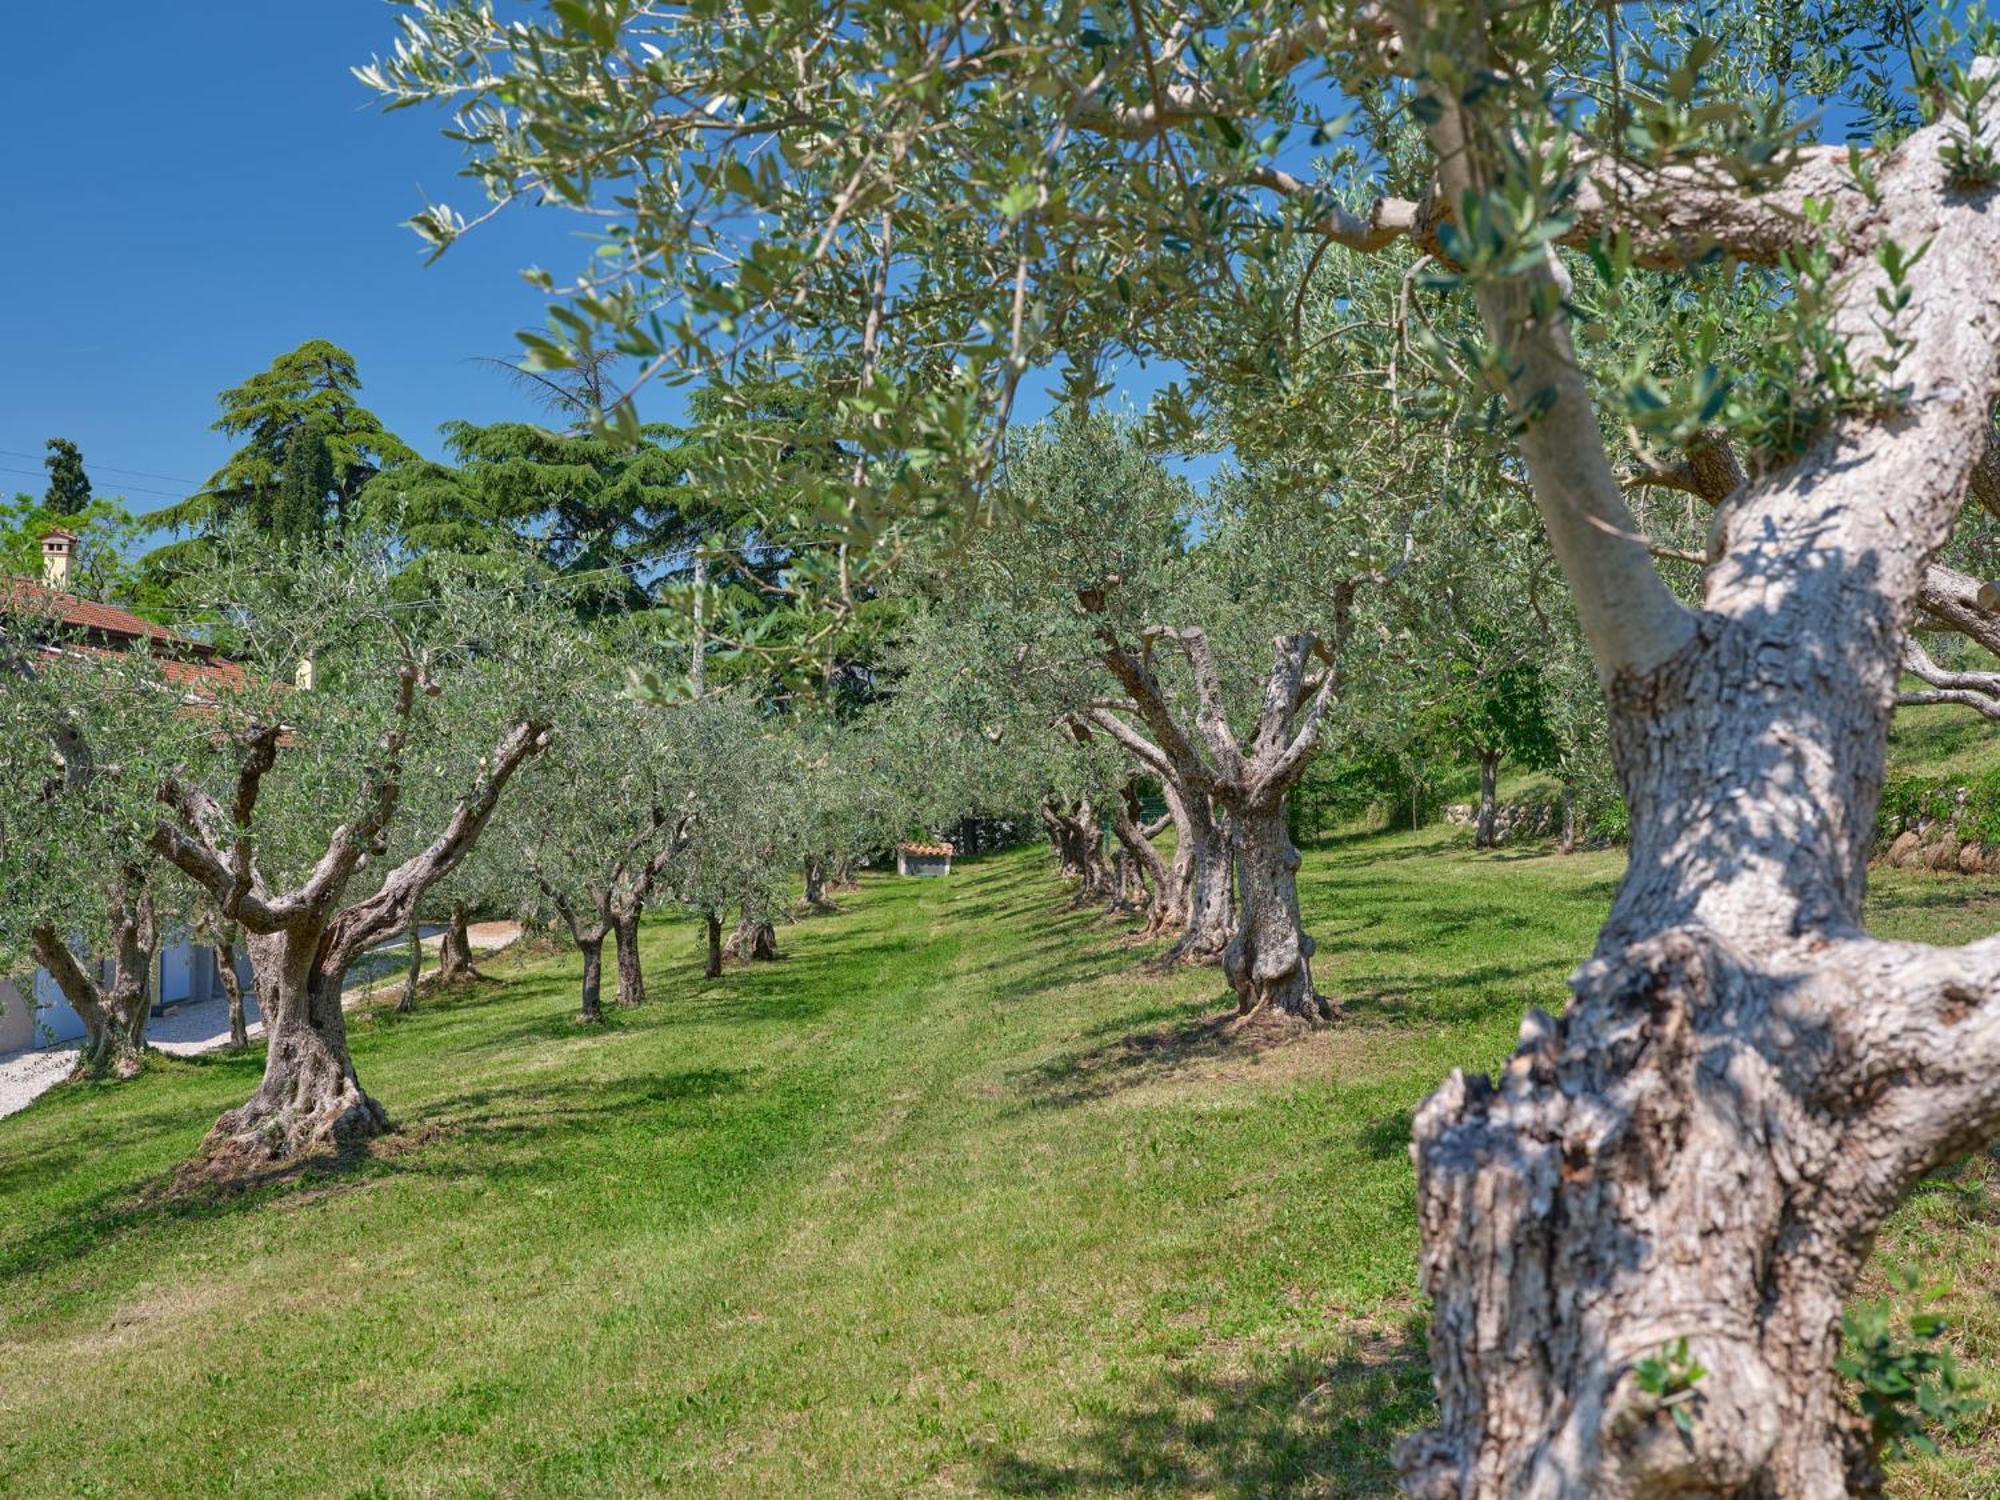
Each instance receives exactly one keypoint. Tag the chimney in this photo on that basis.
(302, 678)
(58, 550)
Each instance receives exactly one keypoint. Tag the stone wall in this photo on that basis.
(1511, 820)
(1939, 847)
(1934, 830)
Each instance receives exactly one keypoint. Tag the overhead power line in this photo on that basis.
(90, 464)
(135, 488)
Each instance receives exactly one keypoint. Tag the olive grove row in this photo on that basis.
(1635, 362)
(1738, 251)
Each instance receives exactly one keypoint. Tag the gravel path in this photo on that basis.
(186, 1029)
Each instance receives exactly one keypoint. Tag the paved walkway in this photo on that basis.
(199, 1026)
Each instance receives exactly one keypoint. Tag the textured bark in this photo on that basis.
(232, 988)
(815, 865)
(1201, 843)
(1269, 960)
(455, 965)
(413, 968)
(310, 1098)
(1078, 842)
(1489, 799)
(1129, 891)
(592, 950)
(1744, 1084)
(1160, 896)
(631, 976)
(1211, 913)
(1207, 917)
(303, 942)
(712, 964)
(755, 940)
(1089, 827)
(113, 1011)
(1265, 952)
(1567, 844)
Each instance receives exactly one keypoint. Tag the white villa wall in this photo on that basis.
(187, 972)
(17, 1018)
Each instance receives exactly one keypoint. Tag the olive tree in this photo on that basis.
(1744, 1083)
(739, 845)
(602, 819)
(85, 735)
(284, 813)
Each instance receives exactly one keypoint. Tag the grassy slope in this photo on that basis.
(1941, 741)
(952, 1200)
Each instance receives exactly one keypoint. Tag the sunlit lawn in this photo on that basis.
(954, 1199)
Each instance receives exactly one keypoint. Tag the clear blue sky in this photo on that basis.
(193, 189)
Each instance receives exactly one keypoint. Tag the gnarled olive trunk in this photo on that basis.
(591, 947)
(310, 1098)
(1703, 1146)
(232, 988)
(712, 961)
(1567, 844)
(455, 964)
(1208, 922)
(755, 940)
(1686, 1171)
(631, 975)
(113, 1012)
(303, 942)
(413, 969)
(1128, 885)
(1079, 845)
(1269, 959)
(1160, 896)
(815, 870)
(1489, 800)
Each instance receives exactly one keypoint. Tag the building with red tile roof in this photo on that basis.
(56, 624)
(85, 625)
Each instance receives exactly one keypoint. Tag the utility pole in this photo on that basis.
(698, 664)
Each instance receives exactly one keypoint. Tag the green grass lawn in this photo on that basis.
(954, 1199)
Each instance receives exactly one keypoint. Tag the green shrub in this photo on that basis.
(1910, 800)
(1908, 1386)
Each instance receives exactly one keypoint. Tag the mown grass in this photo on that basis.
(954, 1199)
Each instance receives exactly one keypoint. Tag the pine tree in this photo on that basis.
(69, 486)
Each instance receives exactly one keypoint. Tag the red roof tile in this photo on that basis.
(188, 664)
(101, 619)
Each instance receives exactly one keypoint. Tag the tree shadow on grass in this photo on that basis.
(1151, 1056)
(506, 1117)
(622, 1104)
(1293, 1427)
(1379, 1002)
